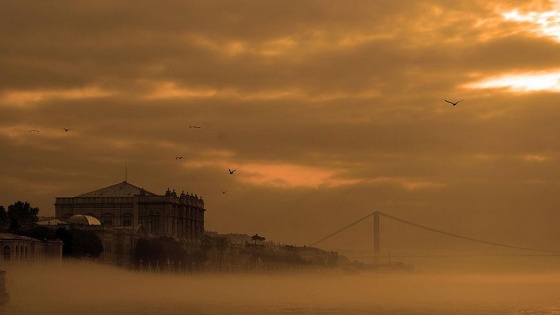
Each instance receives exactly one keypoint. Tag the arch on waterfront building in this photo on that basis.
(126, 219)
(107, 219)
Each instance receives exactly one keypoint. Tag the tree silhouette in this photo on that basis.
(79, 243)
(222, 244)
(206, 244)
(21, 216)
(40, 233)
(157, 251)
(141, 252)
(3, 218)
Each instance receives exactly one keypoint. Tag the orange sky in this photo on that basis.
(329, 110)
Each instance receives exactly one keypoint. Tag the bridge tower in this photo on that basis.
(376, 238)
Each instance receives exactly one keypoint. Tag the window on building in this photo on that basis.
(154, 224)
(126, 219)
(6, 253)
(107, 219)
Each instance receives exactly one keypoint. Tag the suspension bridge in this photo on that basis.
(377, 235)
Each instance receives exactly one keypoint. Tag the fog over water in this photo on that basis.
(525, 286)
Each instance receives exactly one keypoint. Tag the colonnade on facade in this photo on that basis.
(15, 248)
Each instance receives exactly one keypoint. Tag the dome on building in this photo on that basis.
(83, 220)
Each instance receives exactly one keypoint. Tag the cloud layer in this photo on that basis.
(329, 110)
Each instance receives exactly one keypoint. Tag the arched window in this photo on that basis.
(126, 219)
(154, 223)
(107, 219)
(6, 253)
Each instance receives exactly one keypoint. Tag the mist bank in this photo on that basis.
(465, 261)
(84, 286)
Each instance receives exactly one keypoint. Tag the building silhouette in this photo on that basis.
(128, 212)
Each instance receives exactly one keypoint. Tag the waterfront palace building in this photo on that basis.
(125, 206)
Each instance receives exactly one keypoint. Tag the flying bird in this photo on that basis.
(452, 103)
(223, 192)
(231, 171)
(33, 130)
(179, 157)
(66, 129)
(194, 127)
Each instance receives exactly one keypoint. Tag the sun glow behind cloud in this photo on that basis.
(409, 184)
(544, 24)
(547, 23)
(521, 82)
(27, 97)
(535, 158)
(170, 90)
(285, 175)
(279, 175)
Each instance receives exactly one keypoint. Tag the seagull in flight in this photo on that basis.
(67, 129)
(223, 192)
(231, 171)
(33, 130)
(179, 157)
(453, 103)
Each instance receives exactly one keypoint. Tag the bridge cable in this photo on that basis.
(465, 237)
(342, 229)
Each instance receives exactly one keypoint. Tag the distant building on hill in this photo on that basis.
(127, 212)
